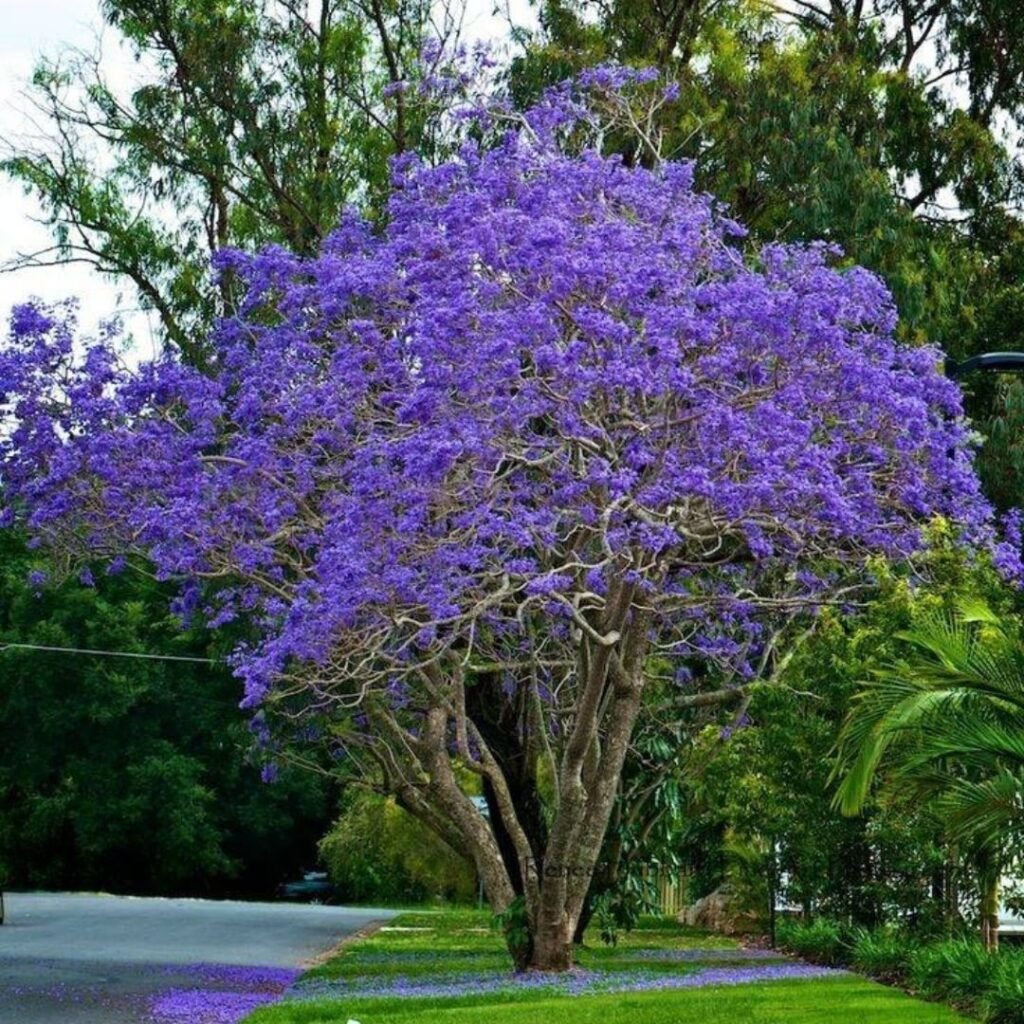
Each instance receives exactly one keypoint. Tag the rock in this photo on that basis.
(718, 912)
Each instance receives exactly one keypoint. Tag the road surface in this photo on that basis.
(84, 959)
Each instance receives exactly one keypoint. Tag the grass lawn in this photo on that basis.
(451, 968)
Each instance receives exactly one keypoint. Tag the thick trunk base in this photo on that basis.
(552, 948)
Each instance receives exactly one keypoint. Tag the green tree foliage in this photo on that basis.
(130, 774)
(946, 724)
(376, 852)
(759, 784)
(249, 123)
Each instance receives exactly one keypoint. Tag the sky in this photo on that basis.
(29, 29)
(33, 28)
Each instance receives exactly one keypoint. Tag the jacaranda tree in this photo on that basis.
(481, 476)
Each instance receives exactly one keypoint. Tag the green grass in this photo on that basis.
(417, 945)
(464, 940)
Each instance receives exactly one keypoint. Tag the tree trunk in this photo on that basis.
(536, 871)
(588, 785)
(990, 914)
(552, 940)
(951, 907)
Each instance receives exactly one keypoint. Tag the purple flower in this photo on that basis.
(223, 993)
(577, 981)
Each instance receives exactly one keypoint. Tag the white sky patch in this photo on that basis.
(29, 30)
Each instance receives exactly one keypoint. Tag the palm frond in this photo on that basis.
(988, 813)
(946, 723)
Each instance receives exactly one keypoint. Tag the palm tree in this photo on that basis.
(945, 724)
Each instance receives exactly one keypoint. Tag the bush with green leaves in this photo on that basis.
(133, 774)
(882, 953)
(821, 941)
(962, 972)
(1003, 1000)
(959, 970)
(376, 852)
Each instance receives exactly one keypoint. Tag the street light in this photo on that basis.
(997, 362)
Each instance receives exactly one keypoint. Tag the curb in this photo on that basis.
(350, 940)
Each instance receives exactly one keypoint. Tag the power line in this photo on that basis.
(110, 654)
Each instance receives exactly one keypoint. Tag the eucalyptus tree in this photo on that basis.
(245, 124)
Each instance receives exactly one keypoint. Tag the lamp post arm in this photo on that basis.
(1005, 362)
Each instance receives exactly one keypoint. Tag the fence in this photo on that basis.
(672, 892)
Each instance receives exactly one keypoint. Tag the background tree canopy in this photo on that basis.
(126, 774)
(250, 124)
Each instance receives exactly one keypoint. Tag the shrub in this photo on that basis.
(785, 932)
(822, 941)
(376, 852)
(882, 953)
(926, 971)
(959, 970)
(1003, 1002)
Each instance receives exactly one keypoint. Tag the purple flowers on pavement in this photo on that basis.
(269, 979)
(198, 1006)
(222, 993)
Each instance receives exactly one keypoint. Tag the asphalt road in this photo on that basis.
(84, 959)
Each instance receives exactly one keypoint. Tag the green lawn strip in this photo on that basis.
(419, 944)
(415, 945)
(835, 1000)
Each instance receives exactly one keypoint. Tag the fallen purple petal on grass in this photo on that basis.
(701, 955)
(574, 982)
(733, 976)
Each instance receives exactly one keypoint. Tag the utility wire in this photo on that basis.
(110, 654)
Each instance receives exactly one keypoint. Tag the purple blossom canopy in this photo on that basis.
(553, 382)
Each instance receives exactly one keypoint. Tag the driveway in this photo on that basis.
(83, 959)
